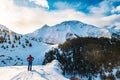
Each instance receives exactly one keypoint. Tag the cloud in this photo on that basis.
(42, 3)
(99, 14)
(26, 19)
(103, 8)
(112, 20)
(20, 19)
(117, 9)
(64, 5)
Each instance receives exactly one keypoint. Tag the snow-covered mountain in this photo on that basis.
(66, 30)
(15, 48)
(2, 27)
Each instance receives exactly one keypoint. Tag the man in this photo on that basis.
(30, 59)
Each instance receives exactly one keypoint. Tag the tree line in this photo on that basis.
(88, 57)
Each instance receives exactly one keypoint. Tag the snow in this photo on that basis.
(37, 51)
(42, 40)
(50, 71)
(3, 28)
(113, 29)
(18, 55)
(58, 33)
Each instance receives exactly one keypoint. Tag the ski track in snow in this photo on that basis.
(23, 76)
(50, 71)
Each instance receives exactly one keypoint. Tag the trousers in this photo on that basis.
(29, 65)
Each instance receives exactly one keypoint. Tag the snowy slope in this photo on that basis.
(50, 71)
(15, 48)
(18, 56)
(3, 27)
(68, 29)
(114, 30)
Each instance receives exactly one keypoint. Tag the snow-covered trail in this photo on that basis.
(50, 71)
(26, 75)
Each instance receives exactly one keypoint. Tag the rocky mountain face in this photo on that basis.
(114, 31)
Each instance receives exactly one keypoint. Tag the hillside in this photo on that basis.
(59, 33)
(51, 71)
(88, 57)
(15, 48)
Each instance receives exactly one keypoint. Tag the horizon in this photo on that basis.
(26, 16)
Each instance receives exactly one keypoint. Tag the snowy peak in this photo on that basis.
(67, 30)
(70, 25)
(73, 22)
(114, 31)
(45, 26)
(3, 28)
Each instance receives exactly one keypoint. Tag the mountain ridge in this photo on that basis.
(62, 29)
(3, 27)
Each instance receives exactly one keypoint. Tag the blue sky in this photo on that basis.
(78, 5)
(19, 15)
(82, 4)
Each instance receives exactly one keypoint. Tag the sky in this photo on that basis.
(26, 16)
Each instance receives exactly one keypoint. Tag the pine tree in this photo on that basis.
(23, 45)
(19, 42)
(15, 37)
(7, 46)
(30, 45)
(13, 46)
(26, 41)
(9, 42)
